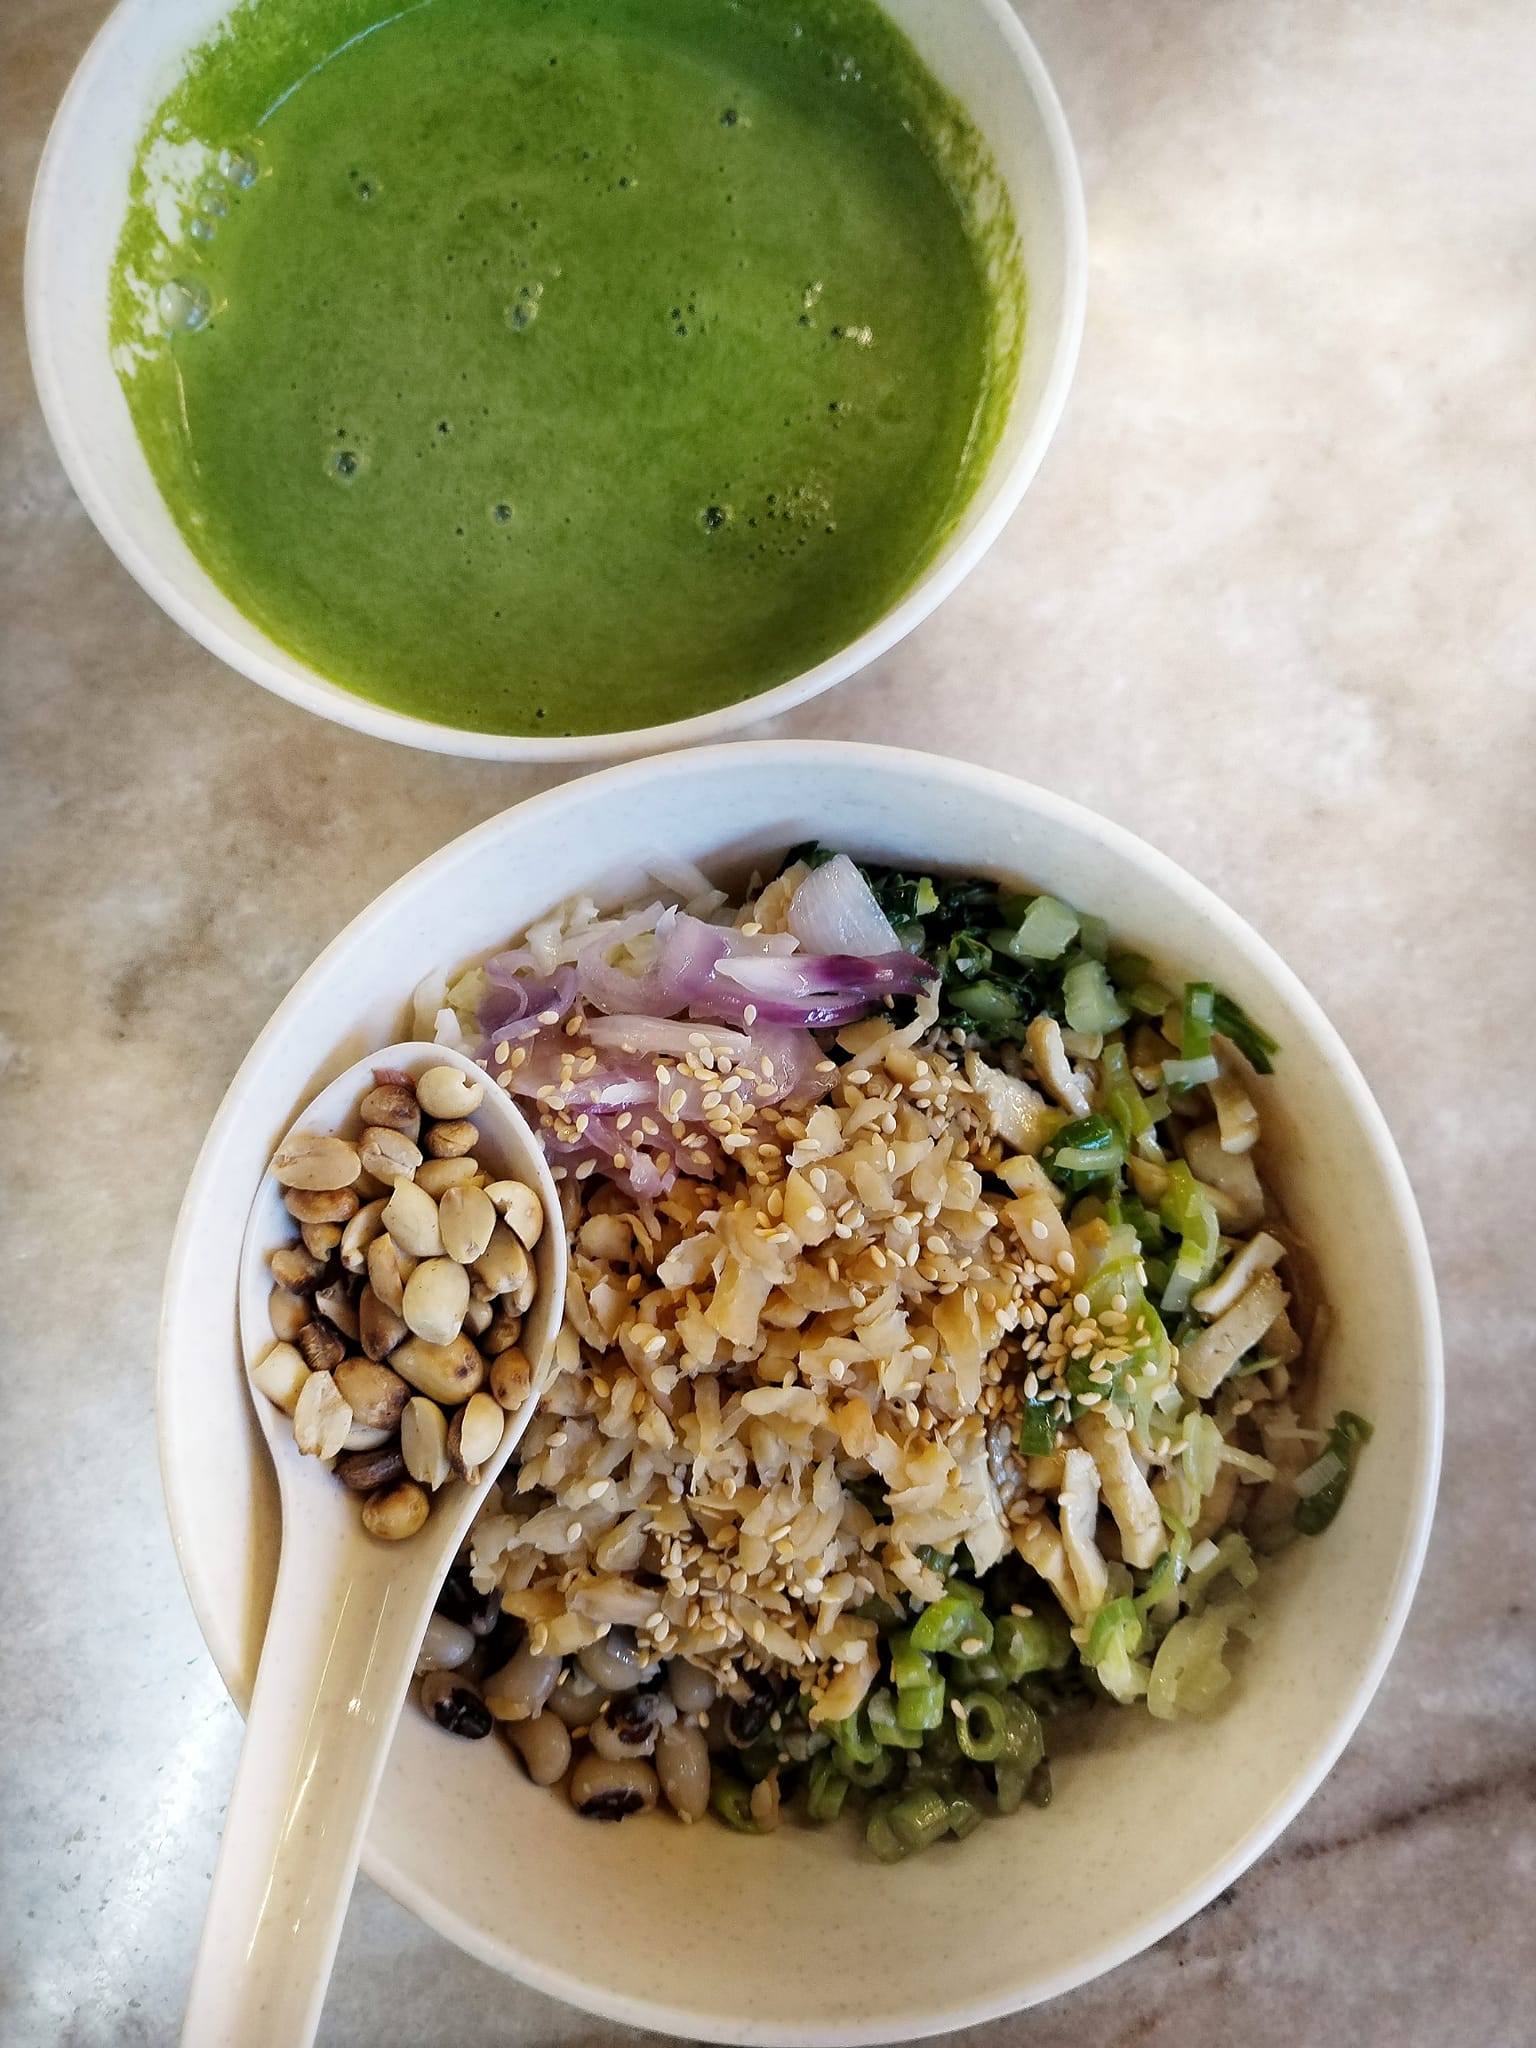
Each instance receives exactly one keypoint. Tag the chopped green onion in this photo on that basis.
(1186, 1208)
(854, 1739)
(1182, 1075)
(1256, 1045)
(1037, 1429)
(983, 1733)
(1090, 999)
(1232, 1554)
(884, 1726)
(987, 1002)
(1124, 1102)
(918, 1819)
(1188, 1675)
(883, 1841)
(1087, 1149)
(1318, 1507)
(1026, 1643)
(1048, 928)
(1113, 1641)
(964, 1816)
(731, 1799)
(827, 1789)
(1195, 1021)
(946, 1623)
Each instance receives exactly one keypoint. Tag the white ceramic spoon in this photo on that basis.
(347, 1619)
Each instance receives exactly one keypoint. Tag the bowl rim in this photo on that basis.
(545, 808)
(314, 692)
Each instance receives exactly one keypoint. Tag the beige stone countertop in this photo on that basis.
(1271, 603)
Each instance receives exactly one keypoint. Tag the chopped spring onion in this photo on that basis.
(1182, 1075)
(1316, 1508)
(1026, 1643)
(1188, 1675)
(1329, 1467)
(1113, 1641)
(1195, 1025)
(1255, 1044)
(1049, 927)
(1085, 1150)
(826, 1790)
(1090, 999)
(983, 1733)
(1037, 1429)
(1187, 1209)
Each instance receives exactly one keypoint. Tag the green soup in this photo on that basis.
(557, 366)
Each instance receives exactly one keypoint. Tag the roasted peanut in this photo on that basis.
(335, 1303)
(453, 1139)
(379, 1328)
(474, 1432)
(511, 1378)
(505, 1268)
(288, 1313)
(448, 1092)
(313, 1163)
(321, 1418)
(437, 1176)
(410, 1217)
(436, 1296)
(296, 1268)
(389, 1155)
(502, 1331)
(321, 1346)
(359, 1234)
(424, 1441)
(376, 1395)
(392, 1107)
(519, 1208)
(448, 1372)
(478, 1316)
(280, 1375)
(396, 1513)
(365, 1471)
(388, 1271)
(466, 1219)
(321, 1205)
(320, 1239)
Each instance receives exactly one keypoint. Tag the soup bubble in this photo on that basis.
(183, 305)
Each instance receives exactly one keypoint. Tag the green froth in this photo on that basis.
(571, 364)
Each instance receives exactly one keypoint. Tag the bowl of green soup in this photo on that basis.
(554, 378)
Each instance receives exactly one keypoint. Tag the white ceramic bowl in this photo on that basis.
(975, 47)
(800, 1937)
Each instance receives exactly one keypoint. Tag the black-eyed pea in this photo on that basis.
(288, 1313)
(313, 1164)
(606, 1790)
(511, 1378)
(360, 1232)
(544, 1744)
(521, 1688)
(322, 1420)
(682, 1765)
(410, 1217)
(335, 1303)
(424, 1442)
(390, 1156)
(467, 1220)
(454, 1704)
(376, 1395)
(446, 1645)
(519, 1208)
(449, 1092)
(320, 1345)
(280, 1375)
(437, 1176)
(321, 1205)
(396, 1513)
(392, 1106)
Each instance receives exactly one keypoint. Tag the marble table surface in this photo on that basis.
(1279, 566)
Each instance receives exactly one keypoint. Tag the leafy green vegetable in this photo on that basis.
(1256, 1046)
(1083, 1151)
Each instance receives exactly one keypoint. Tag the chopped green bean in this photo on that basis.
(885, 1727)
(731, 1799)
(964, 1816)
(983, 1730)
(919, 1818)
(884, 1842)
(920, 1707)
(942, 1626)
(1034, 1642)
(827, 1789)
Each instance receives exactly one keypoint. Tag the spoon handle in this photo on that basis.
(328, 1692)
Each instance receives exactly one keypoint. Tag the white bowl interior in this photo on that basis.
(975, 47)
(800, 1937)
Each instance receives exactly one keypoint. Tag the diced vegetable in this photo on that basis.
(1090, 999)
(1316, 1508)
(1048, 928)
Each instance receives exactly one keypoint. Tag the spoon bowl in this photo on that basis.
(347, 1620)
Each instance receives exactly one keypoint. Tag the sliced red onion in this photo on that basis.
(834, 911)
